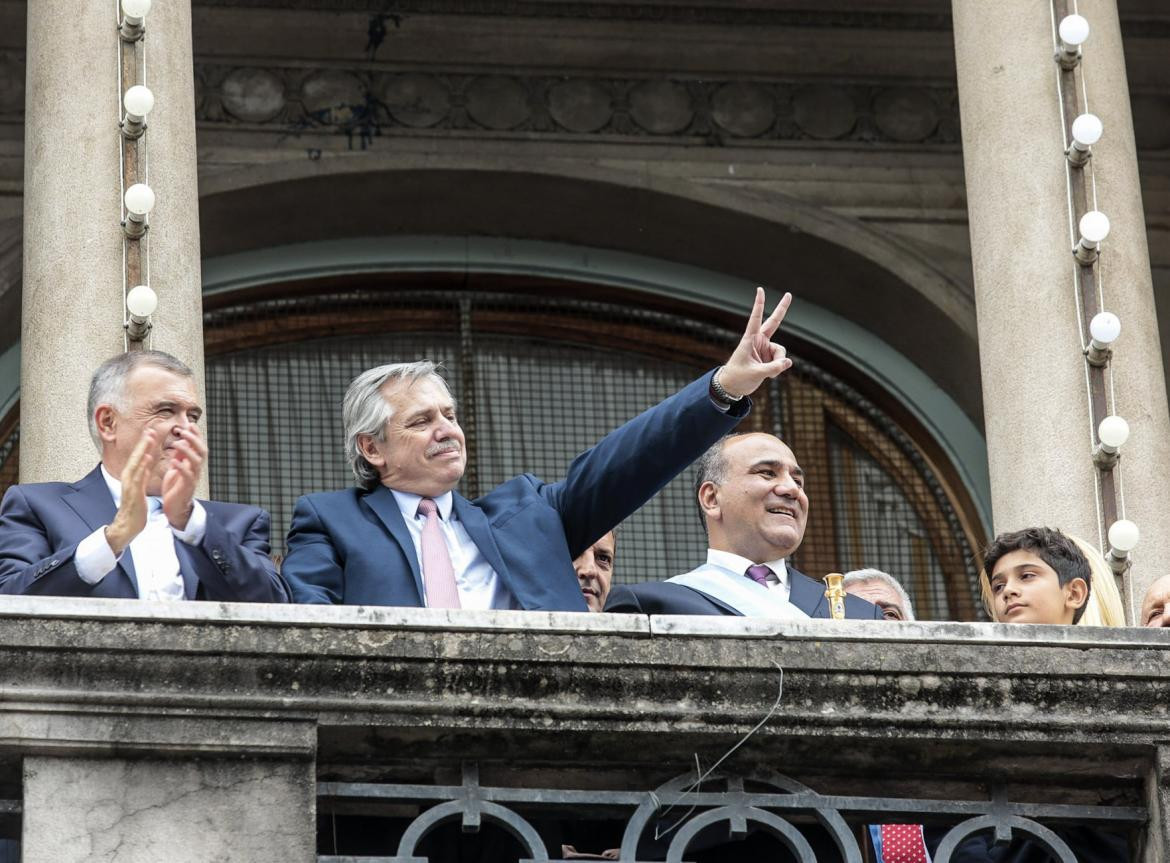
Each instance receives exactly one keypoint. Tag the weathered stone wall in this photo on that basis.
(110, 698)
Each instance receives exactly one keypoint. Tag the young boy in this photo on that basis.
(1037, 575)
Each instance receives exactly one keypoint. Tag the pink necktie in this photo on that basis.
(438, 573)
(903, 843)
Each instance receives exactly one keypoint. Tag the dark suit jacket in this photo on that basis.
(1090, 844)
(353, 546)
(664, 597)
(42, 523)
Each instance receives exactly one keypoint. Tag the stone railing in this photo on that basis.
(136, 731)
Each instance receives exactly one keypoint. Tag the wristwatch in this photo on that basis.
(720, 393)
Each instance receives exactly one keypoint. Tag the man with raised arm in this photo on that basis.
(132, 527)
(404, 537)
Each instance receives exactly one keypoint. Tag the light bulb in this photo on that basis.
(139, 102)
(141, 301)
(1105, 328)
(139, 199)
(1074, 29)
(1113, 432)
(1086, 131)
(1123, 536)
(1094, 226)
(135, 10)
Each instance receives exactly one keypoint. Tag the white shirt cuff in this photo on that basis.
(722, 407)
(196, 527)
(94, 558)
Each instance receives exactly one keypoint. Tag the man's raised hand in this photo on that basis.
(132, 511)
(178, 486)
(757, 358)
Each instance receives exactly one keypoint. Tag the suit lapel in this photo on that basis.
(477, 527)
(806, 594)
(187, 565)
(93, 502)
(382, 502)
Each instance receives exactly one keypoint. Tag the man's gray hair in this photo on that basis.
(365, 411)
(108, 384)
(864, 576)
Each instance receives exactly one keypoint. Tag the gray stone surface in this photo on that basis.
(1137, 383)
(1040, 433)
(82, 810)
(196, 696)
(72, 273)
(74, 282)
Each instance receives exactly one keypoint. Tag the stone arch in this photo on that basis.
(837, 262)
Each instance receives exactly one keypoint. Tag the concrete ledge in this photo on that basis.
(626, 625)
(368, 683)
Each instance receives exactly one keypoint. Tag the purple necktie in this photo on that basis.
(438, 573)
(759, 574)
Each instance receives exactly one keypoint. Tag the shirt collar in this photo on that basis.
(408, 504)
(114, 485)
(734, 563)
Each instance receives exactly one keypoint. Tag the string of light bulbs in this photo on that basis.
(135, 102)
(1109, 432)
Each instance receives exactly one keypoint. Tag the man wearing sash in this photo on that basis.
(750, 491)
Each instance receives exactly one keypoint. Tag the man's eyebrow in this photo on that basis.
(1019, 567)
(774, 463)
(413, 415)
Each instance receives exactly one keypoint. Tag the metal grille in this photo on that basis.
(538, 380)
(666, 822)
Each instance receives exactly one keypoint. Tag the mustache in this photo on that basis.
(442, 447)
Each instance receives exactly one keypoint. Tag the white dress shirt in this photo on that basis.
(479, 585)
(156, 566)
(777, 581)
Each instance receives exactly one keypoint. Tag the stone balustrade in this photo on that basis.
(145, 731)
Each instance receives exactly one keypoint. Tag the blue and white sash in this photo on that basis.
(740, 592)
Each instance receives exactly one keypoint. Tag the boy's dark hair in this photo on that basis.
(1052, 547)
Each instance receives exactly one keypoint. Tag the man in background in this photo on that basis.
(594, 568)
(883, 590)
(1156, 605)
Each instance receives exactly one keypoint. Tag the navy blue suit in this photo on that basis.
(353, 546)
(42, 523)
(664, 597)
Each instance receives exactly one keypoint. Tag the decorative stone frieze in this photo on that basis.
(716, 112)
(719, 13)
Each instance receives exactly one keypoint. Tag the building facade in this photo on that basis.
(570, 203)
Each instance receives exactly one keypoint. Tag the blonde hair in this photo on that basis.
(1104, 606)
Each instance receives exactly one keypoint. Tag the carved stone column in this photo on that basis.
(73, 242)
(1039, 429)
(1138, 378)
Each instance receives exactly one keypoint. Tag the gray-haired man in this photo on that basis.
(405, 537)
(132, 527)
(883, 590)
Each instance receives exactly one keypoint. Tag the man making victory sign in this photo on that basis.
(404, 536)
